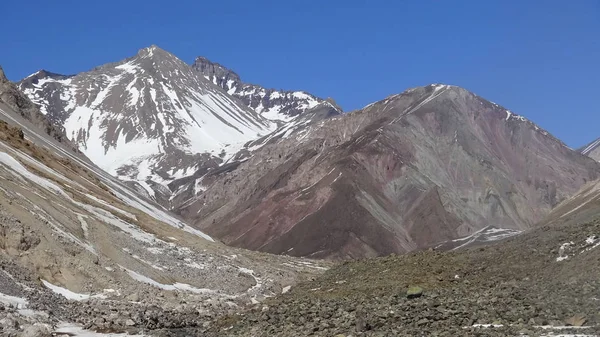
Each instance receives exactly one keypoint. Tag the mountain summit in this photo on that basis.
(150, 118)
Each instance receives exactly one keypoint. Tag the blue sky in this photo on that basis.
(537, 58)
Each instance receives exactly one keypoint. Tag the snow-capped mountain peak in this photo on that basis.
(150, 116)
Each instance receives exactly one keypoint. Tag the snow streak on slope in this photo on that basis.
(590, 147)
(276, 105)
(592, 150)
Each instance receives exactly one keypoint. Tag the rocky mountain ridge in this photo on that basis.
(278, 105)
(20, 103)
(540, 283)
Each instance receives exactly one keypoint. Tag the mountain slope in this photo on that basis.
(79, 249)
(20, 103)
(426, 166)
(150, 118)
(592, 150)
(278, 105)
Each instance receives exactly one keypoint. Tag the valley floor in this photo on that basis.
(526, 285)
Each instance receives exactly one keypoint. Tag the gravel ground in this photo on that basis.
(519, 284)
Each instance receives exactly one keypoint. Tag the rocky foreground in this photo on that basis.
(544, 282)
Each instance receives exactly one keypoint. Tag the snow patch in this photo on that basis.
(75, 330)
(172, 287)
(104, 203)
(11, 163)
(570, 249)
(486, 234)
(17, 302)
(591, 147)
(66, 293)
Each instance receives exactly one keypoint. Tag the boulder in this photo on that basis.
(414, 292)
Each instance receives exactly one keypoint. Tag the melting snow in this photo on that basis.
(593, 240)
(302, 95)
(18, 302)
(147, 188)
(129, 67)
(108, 218)
(104, 203)
(102, 214)
(75, 330)
(172, 287)
(70, 329)
(510, 114)
(568, 249)
(84, 225)
(66, 293)
(18, 168)
(198, 187)
(543, 327)
(486, 234)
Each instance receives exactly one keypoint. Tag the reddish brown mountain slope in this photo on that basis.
(422, 167)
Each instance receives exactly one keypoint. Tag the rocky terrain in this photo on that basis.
(541, 283)
(79, 250)
(420, 168)
(277, 105)
(462, 293)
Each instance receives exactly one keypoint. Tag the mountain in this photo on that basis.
(157, 123)
(414, 170)
(278, 105)
(19, 103)
(592, 150)
(79, 250)
(150, 119)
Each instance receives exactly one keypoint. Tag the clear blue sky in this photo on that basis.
(537, 58)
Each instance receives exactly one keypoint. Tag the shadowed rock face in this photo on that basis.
(282, 105)
(426, 166)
